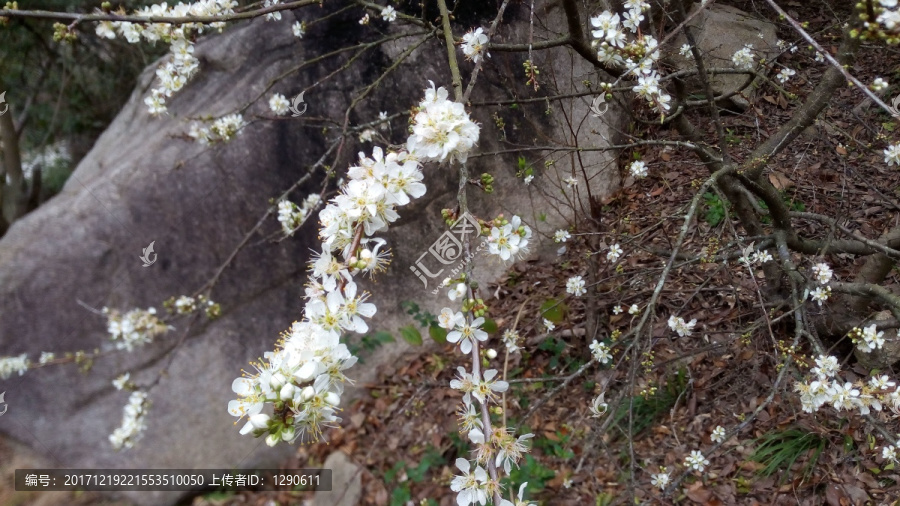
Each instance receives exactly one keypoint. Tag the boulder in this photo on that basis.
(720, 31)
(145, 181)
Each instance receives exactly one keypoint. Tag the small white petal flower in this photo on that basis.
(718, 434)
(615, 251)
(297, 29)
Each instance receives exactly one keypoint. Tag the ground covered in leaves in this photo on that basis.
(404, 435)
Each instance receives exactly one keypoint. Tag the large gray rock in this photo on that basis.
(720, 31)
(144, 181)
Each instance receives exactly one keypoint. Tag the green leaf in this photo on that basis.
(439, 334)
(553, 310)
(384, 337)
(489, 326)
(411, 335)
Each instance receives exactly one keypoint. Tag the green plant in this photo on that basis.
(780, 450)
(426, 320)
(715, 209)
(647, 409)
(557, 445)
(555, 347)
(532, 471)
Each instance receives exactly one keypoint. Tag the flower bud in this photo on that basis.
(259, 421)
(491, 354)
(308, 393)
(273, 439)
(288, 434)
(306, 373)
(277, 380)
(332, 398)
(287, 392)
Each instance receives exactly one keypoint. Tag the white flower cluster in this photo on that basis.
(696, 461)
(122, 381)
(186, 304)
(221, 130)
(867, 339)
(892, 155)
(10, 365)
(575, 286)
(822, 274)
(511, 340)
(279, 104)
(272, 16)
(879, 84)
(827, 388)
(174, 73)
(510, 239)
(888, 15)
(291, 216)
(638, 169)
(680, 326)
(46, 357)
(750, 257)
(303, 377)
(639, 56)
(743, 58)
(135, 328)
(600, 352)
(474, 44)
(133, 422)
(441, 129)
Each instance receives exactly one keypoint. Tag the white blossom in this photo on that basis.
(389, 14)
(615, 251)
(10, 365)
(892, 155)
(879, 84)
(696, 461)
(680, 326)
(785, 74)
(638, 169)
(575, 286)
(279, 104)
(743, 58)
(474, 43)
(718, 434)
(822, 272)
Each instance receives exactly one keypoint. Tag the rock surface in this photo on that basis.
(720, 31)
(145, 181)
(346, 482)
